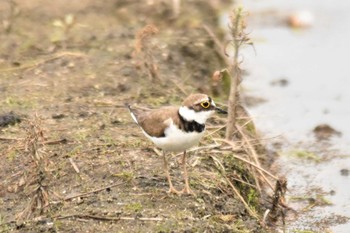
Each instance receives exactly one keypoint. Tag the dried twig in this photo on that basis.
(43, 61)
(60, 141)
(74, 165)
(103, 218)
(80, 216)
(278, 205)
(10, 139)
(219, 45)
(243, 182)
(93, 191)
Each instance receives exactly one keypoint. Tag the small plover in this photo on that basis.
(176, 129)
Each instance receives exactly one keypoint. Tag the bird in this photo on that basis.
(176, 129)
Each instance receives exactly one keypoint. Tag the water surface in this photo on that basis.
(315, 63)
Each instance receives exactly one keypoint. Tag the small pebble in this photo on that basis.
(301, 19)
(344, 172)
(280, 82)
(58, 116)
(10, 118)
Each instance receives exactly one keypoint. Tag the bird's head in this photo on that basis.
(198, 107)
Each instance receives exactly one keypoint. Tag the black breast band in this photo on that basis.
(190, 126)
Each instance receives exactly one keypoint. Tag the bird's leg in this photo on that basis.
(166, 170)
(187, 188)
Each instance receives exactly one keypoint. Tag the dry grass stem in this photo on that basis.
(239, 39)
(176, 83)
(220, 47)
(246, 140)
(37, 175)
(215, 131)
(247, 161)
(253, 154)
(211, 146)
(278, 207)
(144, 50)
(251, 212)
(222, 171)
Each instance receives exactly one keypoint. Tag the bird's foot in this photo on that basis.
(188, 190)
(173, 190)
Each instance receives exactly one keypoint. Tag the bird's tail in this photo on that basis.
(131, 113)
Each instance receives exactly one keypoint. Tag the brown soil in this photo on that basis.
(76, 78)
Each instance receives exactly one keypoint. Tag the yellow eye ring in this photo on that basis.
(205, 104)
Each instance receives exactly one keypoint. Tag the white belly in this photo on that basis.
(176, 140)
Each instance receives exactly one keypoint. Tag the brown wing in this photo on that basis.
(154, 122)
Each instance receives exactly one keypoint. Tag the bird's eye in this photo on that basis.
(205, 104)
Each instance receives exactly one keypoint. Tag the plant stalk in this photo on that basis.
(236, 31)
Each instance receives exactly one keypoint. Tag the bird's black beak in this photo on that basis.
(219, 110)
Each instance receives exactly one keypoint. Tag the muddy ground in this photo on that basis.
(67, 68)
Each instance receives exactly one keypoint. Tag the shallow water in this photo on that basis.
(314, 61)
